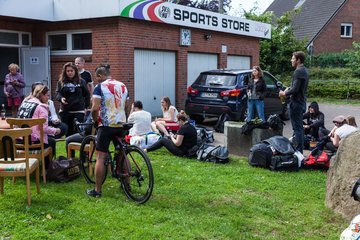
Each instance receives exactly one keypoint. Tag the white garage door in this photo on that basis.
(199, 62)
(154, 78)
(238, 62)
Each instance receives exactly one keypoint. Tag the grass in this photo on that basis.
(191, 200)
(354, 102)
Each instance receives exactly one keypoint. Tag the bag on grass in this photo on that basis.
(146, 140)
(318, 158)
(63, 169)
(219, 126)
(204, 135)
(284, 163)
(260, 155)
(211, 153)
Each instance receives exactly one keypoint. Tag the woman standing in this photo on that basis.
(256, 93)
(168, 119)
(182, 142)
(13, 88)
(74, 96)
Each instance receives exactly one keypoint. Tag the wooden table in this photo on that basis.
(4, 124)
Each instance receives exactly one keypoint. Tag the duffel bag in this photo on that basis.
(63, 169)
(284, 163)
(260, 155)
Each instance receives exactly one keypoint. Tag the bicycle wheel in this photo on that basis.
(88, 159)
(137, 177)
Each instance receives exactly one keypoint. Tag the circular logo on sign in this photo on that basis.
(164, 12)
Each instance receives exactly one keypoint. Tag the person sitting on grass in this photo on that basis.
(168, 119)
(182, 142)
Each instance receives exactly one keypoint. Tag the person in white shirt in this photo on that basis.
(54, 120)
(140, 118)
(341, 130)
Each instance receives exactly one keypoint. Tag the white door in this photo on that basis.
(35, 66)
(238, 62)
(154, 78)
(199, 62)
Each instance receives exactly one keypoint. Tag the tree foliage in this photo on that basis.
(353, 58)
(275, 53)
(210, 5)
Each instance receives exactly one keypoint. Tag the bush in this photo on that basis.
(331, 73)
(327, 60)
(336, 89)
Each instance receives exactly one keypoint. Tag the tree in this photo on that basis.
(210, 5)
(275, 53)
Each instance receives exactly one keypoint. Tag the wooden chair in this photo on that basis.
(11, 165)
(75, 146)
(37, 150)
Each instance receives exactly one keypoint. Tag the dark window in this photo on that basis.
(269, 80)
(81, 41)
(25, 39)
(57, 42)
(9, 38)
(346, 30)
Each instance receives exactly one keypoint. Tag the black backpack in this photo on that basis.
(275, 122)
(219, 126)
(260, 155)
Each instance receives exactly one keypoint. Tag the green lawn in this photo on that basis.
(191, 200)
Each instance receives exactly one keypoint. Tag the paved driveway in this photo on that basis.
(329, 110)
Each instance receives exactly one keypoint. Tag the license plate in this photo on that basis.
(209, 95)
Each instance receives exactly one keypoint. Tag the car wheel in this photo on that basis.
(285, 115)
(197, 118)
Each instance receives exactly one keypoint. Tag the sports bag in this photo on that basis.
(260, 155)
(204, 135)
(318, 158)
(144, 141)
(211, 153)
(63, 169)
(284, 163)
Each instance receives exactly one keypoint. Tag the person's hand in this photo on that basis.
(7, 94)
(63, 100)
(306, 126)
(58, 131)
(281, 93)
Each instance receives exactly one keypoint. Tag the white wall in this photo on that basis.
(34, 9)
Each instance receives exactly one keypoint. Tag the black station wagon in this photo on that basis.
(224, 91)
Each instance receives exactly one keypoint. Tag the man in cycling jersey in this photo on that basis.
(110, 98)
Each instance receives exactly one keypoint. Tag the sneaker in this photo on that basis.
(93, 193)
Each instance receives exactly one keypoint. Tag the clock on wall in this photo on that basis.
(185, 37)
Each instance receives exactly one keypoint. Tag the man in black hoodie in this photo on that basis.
(314, 120)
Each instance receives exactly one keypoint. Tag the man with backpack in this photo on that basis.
(297, 93)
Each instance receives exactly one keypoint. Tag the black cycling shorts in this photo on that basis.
(105, 135)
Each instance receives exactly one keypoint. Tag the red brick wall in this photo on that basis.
(329, 39)
(115, 39)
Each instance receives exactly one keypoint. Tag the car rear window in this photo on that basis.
(216, 80)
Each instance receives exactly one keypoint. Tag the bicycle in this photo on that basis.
(130, 165)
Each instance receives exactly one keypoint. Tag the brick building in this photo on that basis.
(156, 48)
(327, 25)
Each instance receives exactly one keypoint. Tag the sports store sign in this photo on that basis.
(165, 12)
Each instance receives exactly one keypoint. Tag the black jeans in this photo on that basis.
(296, 117)
(169, 145)
(68, 119)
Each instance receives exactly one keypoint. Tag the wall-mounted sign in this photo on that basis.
(166, 12)
(185, 37)
(34, 60)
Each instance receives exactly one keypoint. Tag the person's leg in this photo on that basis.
(171, 147)
(297, 111)
(161, 126)
(250, 110)
(64, 116)
(77, 137)
(15, 106)
(259, 104)
(330, 146)
(99, 170)
(52, 144)
(72, 117)
(156, 145)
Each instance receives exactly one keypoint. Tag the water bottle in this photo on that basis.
(3, 112)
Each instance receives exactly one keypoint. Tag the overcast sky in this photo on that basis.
(238, 5)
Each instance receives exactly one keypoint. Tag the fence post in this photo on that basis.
(348, 91)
